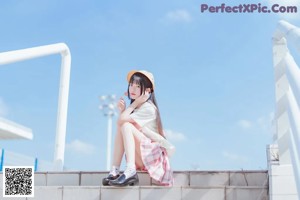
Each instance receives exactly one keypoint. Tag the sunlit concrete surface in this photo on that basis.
(189, 185)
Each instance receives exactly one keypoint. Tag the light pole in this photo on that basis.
(108, 106)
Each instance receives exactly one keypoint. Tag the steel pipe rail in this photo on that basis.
(287, 89)
(35, 52)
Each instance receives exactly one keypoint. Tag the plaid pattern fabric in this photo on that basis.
(156, 162)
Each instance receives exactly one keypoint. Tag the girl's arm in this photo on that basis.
(125, 115)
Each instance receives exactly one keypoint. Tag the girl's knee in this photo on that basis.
(129, 128)
(125, 127)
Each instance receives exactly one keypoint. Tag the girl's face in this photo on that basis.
(134, 90)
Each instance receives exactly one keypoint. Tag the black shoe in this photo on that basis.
(123, 181)
(110, 177)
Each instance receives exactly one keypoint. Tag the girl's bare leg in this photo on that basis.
(129, 144)
(117, 158)
(118, 148)
(138, 157)
(132, 138)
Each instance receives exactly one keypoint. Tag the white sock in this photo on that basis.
(115, 170)
(130, 170)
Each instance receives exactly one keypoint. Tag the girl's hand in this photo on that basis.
(121, 105)
(143, 98)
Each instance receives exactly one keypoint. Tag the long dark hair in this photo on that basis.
(144, 82)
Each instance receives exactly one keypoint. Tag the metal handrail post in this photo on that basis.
(35, 52)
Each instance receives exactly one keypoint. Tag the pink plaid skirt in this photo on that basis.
(156, 162)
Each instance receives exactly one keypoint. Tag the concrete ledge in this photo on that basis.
(148, 193)
(209, 179)
(189, 185)
(117, 193)
(242, 178)
(182, 178)
(246, 193)
(81, 193)
(48, 193)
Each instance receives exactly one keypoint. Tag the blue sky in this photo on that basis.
(213, 72)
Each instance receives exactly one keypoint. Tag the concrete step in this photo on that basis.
(189, 185)
(147, 193)
(182, 178)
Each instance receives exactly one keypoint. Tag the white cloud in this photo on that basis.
(263, 123)
(245, 124)
(285, 3)
(195, 166)
(174, 136)
(3, 108)
(234, 157)
(179, 16)
(78, 146)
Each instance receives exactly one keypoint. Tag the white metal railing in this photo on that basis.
(16, 130)
(35, 52)
(8, 158)
(287, 91)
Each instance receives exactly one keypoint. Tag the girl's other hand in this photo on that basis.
(121, 105)
(143, 98)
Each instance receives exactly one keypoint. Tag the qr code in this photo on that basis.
(18, 181)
